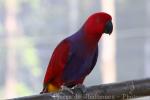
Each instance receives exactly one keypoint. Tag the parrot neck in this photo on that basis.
(88, 38)
(92, 38)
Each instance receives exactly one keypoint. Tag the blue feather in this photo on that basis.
(81, 61)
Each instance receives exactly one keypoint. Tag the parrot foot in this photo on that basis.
(81, 87)
(67, 89)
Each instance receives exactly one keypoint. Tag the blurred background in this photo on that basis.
(31, 29)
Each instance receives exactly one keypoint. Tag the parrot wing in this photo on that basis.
(59, 58)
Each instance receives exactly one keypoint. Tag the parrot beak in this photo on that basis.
(108, 28)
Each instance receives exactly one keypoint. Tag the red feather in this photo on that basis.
(57, 63)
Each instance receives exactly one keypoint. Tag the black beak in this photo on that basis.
(108, 28)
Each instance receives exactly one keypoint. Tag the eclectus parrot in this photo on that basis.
(75, 57)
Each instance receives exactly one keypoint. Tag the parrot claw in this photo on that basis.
(81, 87)
(67, 89)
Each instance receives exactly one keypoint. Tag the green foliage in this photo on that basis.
(29, 56)
(22, 89)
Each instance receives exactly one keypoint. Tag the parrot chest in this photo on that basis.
(79, 64)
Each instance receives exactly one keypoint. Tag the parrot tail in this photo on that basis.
(50, 88)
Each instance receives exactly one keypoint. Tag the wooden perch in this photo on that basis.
(115, 91)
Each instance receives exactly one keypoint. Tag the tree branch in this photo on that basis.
(115, 91)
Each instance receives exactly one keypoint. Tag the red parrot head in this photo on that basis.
(98, 23)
